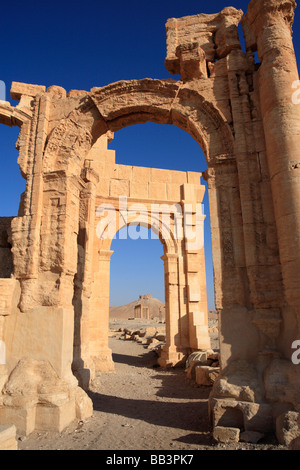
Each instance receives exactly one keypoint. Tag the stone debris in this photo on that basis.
(203, 367)
(226, 434)
(8, 440)
(54, 299)
(151, 337)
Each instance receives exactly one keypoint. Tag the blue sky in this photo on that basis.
(79, 45)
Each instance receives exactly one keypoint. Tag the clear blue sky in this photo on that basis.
(79, 45)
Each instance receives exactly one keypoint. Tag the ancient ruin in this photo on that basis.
(55, 255)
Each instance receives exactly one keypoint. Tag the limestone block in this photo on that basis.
(256, 417)
(178, 177)
(240, 382)
(10, 292)
(124, 172)
(103, 187)
(138, 190)
(83, 404)
(76, 93)
(160, 176)
(23, 418)
(173, 192)
(57, 91)
(119, 188)
(55, 418)
(226, 434)
(193, 177)
(54, 325)
(18, 89)
(157, 191)
(206, 375)
(141, 174)
(8, 439)
(287, 427)
(282, 382)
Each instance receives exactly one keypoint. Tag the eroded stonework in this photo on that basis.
(54, 288)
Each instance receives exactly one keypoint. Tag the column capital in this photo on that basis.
(105, 254)
(262, 14)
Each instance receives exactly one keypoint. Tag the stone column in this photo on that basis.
(83, 366)
(171, 353)
(195, 266)
(267, 28)
(99, 315)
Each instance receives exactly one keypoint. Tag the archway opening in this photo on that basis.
(12, 185)
(137, 294)
(167, 147)
(139, 274)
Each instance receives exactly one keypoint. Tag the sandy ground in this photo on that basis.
(141, 407)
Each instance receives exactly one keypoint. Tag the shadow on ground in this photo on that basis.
(175, 404)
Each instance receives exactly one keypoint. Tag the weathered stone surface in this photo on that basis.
(8, 440)
(243, 117)
(256, 417)
(206, 375)
(83, 404)
(226, 434)
(240, 381)
(287, 428)
(282, 382)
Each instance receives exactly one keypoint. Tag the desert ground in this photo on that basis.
(140, 406)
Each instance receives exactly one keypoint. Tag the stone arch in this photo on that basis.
(109, 109)
(146, 219)
(92, 348)
(11, 116)
(125, 103)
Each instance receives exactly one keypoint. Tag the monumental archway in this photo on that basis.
(248, 129)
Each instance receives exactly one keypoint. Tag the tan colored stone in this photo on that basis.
(8, 440)
(287, 428)
(206, 375)
(226, 434)
(54, 300)
(83, 405)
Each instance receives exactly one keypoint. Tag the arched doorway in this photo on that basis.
(136, 270)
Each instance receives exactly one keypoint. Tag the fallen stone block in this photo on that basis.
(160, 337)
(287, 427)
(226, 434)
(199, 356)
(206, 375)
(8, 440)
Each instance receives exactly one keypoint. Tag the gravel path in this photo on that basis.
(139, 407)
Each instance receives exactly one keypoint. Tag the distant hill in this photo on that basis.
(156, 308)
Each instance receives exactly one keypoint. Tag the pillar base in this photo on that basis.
(103, 361)
(35, 398)
(170, 357)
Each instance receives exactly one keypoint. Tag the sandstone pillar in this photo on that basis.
(171, 353)
(195, 266)
(99, 315)
(267, 28)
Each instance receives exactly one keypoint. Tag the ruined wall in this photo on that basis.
(241, 114)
